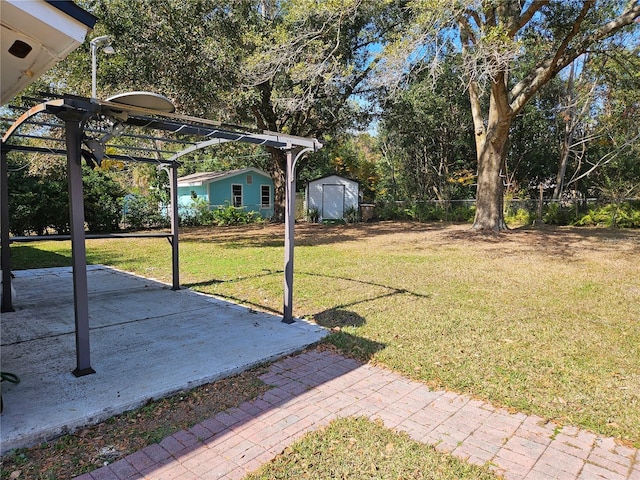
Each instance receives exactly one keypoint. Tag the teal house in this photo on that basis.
(248, 188)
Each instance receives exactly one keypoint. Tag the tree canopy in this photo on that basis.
(297, 67)
(465, 91)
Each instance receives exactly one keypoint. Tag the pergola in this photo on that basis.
(130, 129)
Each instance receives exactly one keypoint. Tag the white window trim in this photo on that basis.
(269, 205)
(241, 194)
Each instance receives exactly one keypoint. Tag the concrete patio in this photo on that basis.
(147, 341)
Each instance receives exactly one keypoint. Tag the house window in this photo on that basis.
(236, 194)
(265, 196)
(249, 179)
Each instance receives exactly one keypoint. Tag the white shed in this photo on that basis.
(332, 196)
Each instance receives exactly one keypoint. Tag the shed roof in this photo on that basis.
(334, 175)
(202, 178)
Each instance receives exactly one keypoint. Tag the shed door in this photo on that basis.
(332, 201)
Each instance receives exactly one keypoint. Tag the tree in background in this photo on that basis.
(552, 34)
(601, 147)
(295, 67)
(39, 199)
(317, 68)
(427, 127)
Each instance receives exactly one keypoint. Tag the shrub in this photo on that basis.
(351, 214)
(424, 212)
(520, 217)
(391, 211)
(39, 204)
(313, 215)
(230, 215)
(103, 199)
(462, 213)
(143, 211)
(625, 215)
(557, 215)
(197, 213)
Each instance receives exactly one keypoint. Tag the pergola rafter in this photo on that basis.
(95, 130)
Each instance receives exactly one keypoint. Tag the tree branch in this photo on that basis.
(586, 6)
(527, 16)
(522, 92)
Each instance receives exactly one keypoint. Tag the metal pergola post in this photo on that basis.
(7, 301)
(173, 191)
(73, 131)
(289, 223)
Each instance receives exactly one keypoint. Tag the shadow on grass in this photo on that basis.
(306, 234)
(393, 290)
(348, 344)
(215, 281)
(338, 318)
(354, 346)
(26, 256)
(548, 239)
(334, 317)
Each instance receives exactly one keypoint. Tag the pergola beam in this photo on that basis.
(61, 151)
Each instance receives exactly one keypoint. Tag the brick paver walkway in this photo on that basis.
(315, 387)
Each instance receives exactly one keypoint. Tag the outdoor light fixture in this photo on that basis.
(105, 42)
(20, 49)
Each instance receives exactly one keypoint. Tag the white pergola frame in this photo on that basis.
(72, 115)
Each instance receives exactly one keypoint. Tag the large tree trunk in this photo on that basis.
(491, 149)
(490, 191)
(278, 172)
(475, 24)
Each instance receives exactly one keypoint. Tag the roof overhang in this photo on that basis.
(35, 35)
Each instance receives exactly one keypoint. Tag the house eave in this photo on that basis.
(47, 30)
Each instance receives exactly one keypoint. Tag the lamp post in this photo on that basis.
(95, 43)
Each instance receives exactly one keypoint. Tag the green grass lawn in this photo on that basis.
(358, 449)
(544, 321)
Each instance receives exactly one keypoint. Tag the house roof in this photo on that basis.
(202, 178)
